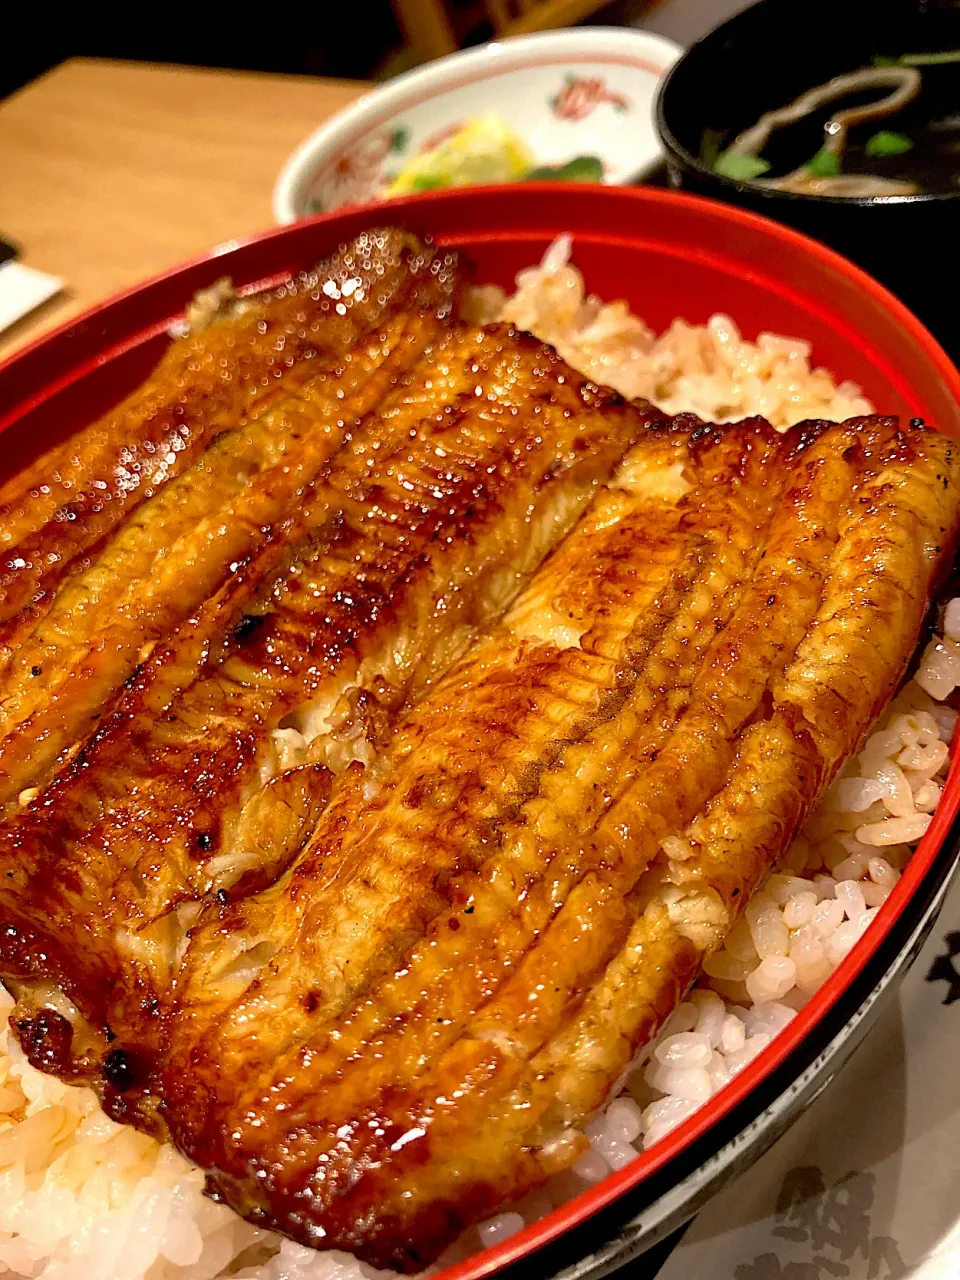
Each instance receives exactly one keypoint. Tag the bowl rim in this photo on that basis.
(650, 52)
(769, 1111)
(683, 156)
(55, 347)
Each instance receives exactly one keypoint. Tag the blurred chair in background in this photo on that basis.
(432, 28)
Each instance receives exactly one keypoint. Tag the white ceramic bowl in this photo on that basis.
(584, 91)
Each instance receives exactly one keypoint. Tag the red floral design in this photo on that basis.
(581, 94)
(355, 177)
(442, 135)
(361, 165)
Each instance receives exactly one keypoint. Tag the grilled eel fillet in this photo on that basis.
(114, 539)
(410, 1027)
(215, 764)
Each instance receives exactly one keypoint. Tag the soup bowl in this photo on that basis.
(766, 57)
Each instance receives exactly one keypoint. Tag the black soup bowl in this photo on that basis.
(767, 56)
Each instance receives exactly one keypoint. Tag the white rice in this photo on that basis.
(807, 918)
(82, 1198)
(704, 369)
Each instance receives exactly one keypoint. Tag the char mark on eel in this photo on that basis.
(414, 1023)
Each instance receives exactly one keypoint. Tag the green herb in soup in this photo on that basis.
(920, 152)
(887, 143)
(740, 168)
(919, 59)
(824, 164)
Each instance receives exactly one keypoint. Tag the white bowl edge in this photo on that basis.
(299, 166)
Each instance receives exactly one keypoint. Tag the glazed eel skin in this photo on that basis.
(206, 776)
(411, 1027)
(117, 537)
(369, 852)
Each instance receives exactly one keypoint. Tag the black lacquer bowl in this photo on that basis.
(764, 58)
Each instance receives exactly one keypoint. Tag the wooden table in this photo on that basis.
(113, 171)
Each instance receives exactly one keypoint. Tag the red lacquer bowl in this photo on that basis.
(668, 255)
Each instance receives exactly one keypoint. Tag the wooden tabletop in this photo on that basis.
(113, 171)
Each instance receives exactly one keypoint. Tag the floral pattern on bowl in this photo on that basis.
(580, 94)
(569, 95)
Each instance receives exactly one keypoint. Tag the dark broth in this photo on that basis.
(931, 122)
